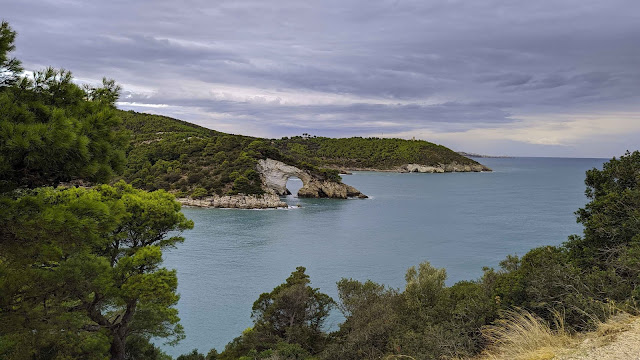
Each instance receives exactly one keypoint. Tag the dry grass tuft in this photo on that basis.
(607, 331)
(524, 336)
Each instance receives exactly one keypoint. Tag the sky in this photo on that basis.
(499, 77)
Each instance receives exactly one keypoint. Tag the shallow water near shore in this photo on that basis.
(459, 221)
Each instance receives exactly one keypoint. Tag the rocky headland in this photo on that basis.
(205, 167)
(274, 175)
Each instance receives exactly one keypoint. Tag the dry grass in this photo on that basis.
(607, 331)
(521, 335)
(524, 336)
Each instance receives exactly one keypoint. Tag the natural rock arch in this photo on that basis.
(276, 173)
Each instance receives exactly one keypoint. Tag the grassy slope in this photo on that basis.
(175, 155)
(523, 336)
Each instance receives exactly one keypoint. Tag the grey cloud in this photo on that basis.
(510, 79)
(351, 119)
(521, 57)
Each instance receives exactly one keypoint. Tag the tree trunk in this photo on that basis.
(117, 347)
(120, 332)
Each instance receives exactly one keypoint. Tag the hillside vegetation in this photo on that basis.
(188, 159)
(174, 155)
(368, 153)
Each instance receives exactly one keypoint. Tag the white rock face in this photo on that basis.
(423, 168)
(441, 168)
(276, 173)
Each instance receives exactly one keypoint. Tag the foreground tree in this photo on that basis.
(293, 312)
(51, 133)
(583, 277)
(371, 314)
(428, 320)
(80, 268)
(611, 218)
(10, 68)
(288, 321)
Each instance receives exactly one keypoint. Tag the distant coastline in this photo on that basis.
(474, 155)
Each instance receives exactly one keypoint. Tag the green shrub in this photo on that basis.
(199, 193)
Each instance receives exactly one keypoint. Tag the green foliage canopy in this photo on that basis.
(87, 261)
(372, 153)
(288, 321)
(53, 131)
(10, 68)
(80, 268)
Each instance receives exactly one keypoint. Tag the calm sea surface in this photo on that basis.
(459, 221)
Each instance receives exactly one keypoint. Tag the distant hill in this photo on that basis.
(369, 153)
(188, 159)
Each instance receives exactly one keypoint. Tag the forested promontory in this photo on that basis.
(193, 161)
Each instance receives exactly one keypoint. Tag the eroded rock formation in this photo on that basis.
(276, 173)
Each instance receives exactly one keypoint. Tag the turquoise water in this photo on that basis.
(459, 221)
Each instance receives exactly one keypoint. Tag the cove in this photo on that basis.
(459, 221)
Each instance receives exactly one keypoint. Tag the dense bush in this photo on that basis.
(177, 156)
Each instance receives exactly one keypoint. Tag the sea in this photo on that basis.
(458, 221)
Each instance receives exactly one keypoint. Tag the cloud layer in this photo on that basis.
(501, 76)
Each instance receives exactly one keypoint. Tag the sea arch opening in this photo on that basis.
(293, 185)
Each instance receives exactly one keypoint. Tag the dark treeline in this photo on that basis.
(81, 273)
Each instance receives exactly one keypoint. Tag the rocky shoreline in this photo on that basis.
(443, 168)
(265, 201)
(411, 168)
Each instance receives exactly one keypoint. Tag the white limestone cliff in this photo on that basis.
(276, 173)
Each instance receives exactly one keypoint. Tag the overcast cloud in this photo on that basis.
(540, 78)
